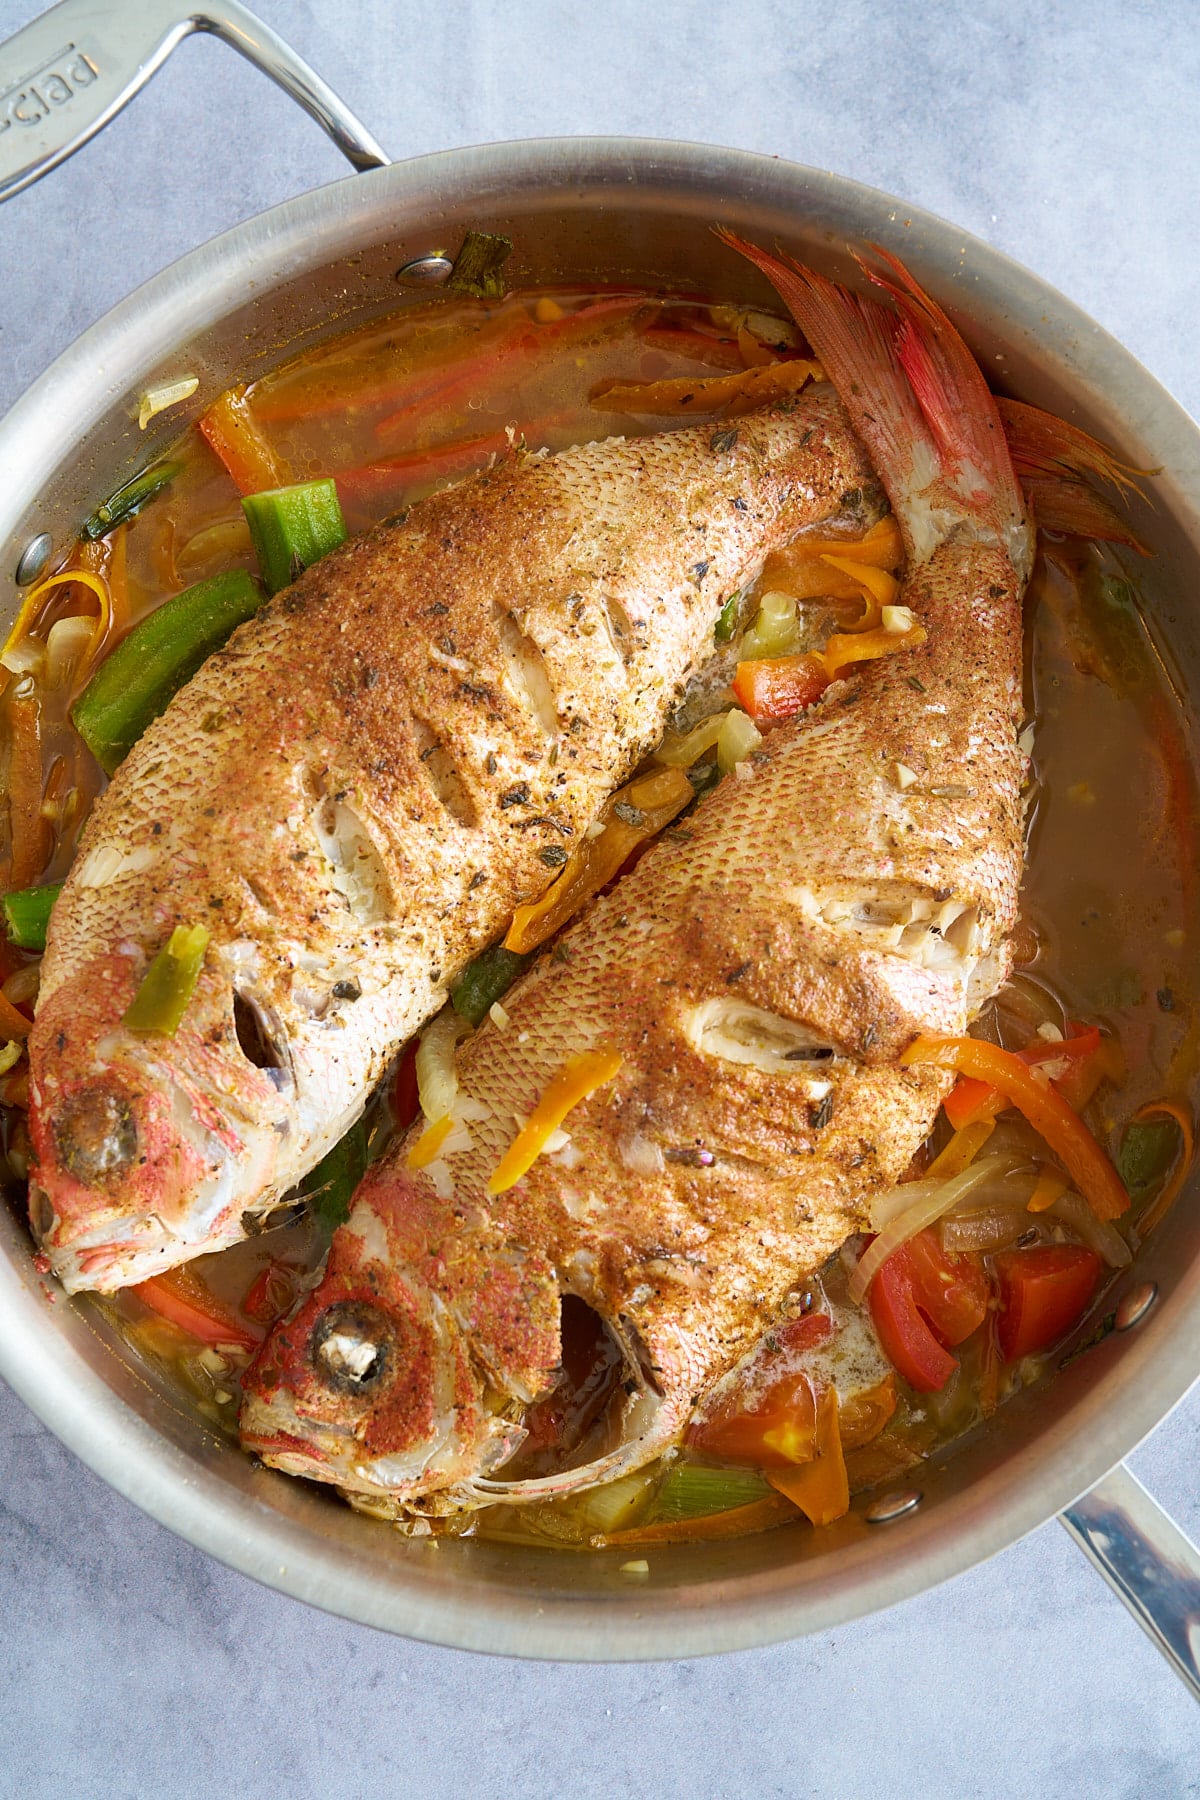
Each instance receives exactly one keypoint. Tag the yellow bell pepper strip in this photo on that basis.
(13, 1024)
(725, 394)
(232, 434)
(737, 1521)
(29, 832)
(882, 587)
(820, 1488)
(1167, 1109)
(1049, 1187)
(32, 607)
(581, 1076)
(961, 1151)
(169, 983)
(1085, 1161)
(426, 1148)
(635, 813)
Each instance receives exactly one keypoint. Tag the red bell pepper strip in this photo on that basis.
(1044, 1291)
(970, 1099)
(922, 1300)
(181, 1296)
(1088, 1165)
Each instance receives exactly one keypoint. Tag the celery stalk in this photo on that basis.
(27, 913)
(293, 527)
(169, 982)
(774, 631)
(695, 1490)
(133, 685)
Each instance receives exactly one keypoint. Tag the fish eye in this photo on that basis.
(351, 1347)
(95, 1135)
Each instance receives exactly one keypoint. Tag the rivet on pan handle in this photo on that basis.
(1147, 1560)
(68, 73)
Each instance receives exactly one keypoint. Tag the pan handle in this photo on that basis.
(69, 72)
(1148, 1562)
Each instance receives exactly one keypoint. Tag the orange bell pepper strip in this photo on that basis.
(1084, 1159)
(773, 688)
(1168, 1109)
(820, 1487)
(232, 434)
(13, 1024)
(725, 394)
(578, 1078)
(635, 813)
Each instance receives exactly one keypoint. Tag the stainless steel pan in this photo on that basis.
(584, 209)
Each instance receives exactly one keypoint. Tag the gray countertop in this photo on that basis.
(133, 1665)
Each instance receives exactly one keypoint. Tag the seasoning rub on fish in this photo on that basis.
(729, 1021)
(353, 796)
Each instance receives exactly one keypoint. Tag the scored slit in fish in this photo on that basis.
(758, 974)
(355, 794)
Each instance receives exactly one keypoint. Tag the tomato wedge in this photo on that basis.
(922, 1300)
(1044, 1291)
(772, 688)
(779, 1428)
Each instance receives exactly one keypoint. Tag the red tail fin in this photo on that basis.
(1053, 460)
(855, 340)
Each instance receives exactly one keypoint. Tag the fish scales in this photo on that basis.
(758, 1104)
(354, 795)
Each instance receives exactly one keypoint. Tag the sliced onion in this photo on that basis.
(437, 1078)
(67, 643)
(24, 658)
(23, 984)
(924, 1207)
(993, 1229)
(1097, 1234)
(681, 752)
(169, 393)
(739, 736)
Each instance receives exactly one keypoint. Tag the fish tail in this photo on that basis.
(1054, 461)
(914, 394)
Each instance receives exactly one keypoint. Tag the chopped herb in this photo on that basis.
(477, 266)
(700, 569)
(1166, 1000)
(722, 441)
(727, 620)
(129, 500)
(822, 1114)
(515, 796)
(553, 855)
(629, 815)
(915, 683)
(703, 776)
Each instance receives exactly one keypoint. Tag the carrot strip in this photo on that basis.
(736, 1521)
(714, 394)
(233, 436)
(29, 830)
(581, 1076)
(182, 1298)
(1168, 1109)
(1086, 1162)
(820, 1488)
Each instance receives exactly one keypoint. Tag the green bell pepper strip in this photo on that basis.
(482, 982)
(169, 983)
(27, 913)
(163, 651)
(293, 527)
(331, 1185)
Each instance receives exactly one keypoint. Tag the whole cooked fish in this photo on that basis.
(353, 796)
(747, 990)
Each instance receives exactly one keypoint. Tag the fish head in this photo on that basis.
(141, 1141)
(406, 1369)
